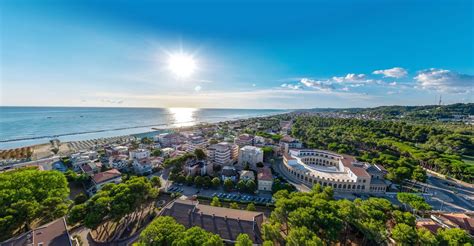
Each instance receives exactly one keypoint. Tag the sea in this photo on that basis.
(25, 126)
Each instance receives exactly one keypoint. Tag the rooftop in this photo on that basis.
(226, 222)
(52, 234)
(265, 173)
(107, 175)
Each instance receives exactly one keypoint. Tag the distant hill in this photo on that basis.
(428, 112)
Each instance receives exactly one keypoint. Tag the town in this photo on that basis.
(223, 177)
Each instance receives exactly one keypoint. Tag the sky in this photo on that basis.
(243, 54)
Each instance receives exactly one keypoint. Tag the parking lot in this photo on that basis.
(234, 196)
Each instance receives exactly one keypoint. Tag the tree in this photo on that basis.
(215, 182)
(76, 214)
(251, 207)
(155, 181)
(242, 185)
(189, 179)
(251, 186)
(302, 236)
(234, 205)
(207, 182)
(419, 174)
(272, 232)
(228, 184)
(80, 198)
(163, 230)
(198, 181)
(156, 152)
(453, 236)
(426, 238)
(27, 195)
(404, 234)
(243, 240)
(404, 217)
(196, 236)
(215, 202)
(200, 154)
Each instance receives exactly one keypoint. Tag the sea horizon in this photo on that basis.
(23, 126)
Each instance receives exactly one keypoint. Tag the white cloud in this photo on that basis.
(394, 83)
(359, 79)
(445, 81)
(291, 86)
(317, 84)
(198, 88)
(396, 72)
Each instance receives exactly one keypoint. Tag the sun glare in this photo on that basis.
(183, 116)
(181, 65)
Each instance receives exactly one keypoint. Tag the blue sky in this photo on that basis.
(248, 54)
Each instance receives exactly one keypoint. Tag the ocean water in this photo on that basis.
(23, 126)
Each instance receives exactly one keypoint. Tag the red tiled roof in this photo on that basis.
(265, 174)
(107, 175)
(461, 220)
(429, 225)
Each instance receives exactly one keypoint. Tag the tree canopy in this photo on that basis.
(400, 146)
(27, 195)
(164, 230)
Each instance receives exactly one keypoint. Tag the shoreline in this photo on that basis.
(150, 128)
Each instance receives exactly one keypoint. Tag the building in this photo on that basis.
(119, 162)
(247, 175)
(265, 179)
(229, 172)
(82, 158)
(195, 167)
(243, 140)
(103, 178)
(259, 141)
(287, 143)
(342, 172)
(116, 150)
(227, 223)
(196, 142)
(142, 166)
(139, 154)
(170, 139)
(91, 167)
(222, 153)
(251, 155)
(463, 221)
(166, 152)
(54, 233)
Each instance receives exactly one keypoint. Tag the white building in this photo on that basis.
(259, 141)
(142, 166)
(83, 158)
(265, 179)
(222, 153)
(139, 154)
(251, 155)
(342, 172)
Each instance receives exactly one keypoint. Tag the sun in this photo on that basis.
(182, 65)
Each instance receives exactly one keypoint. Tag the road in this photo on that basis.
(298, 184)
